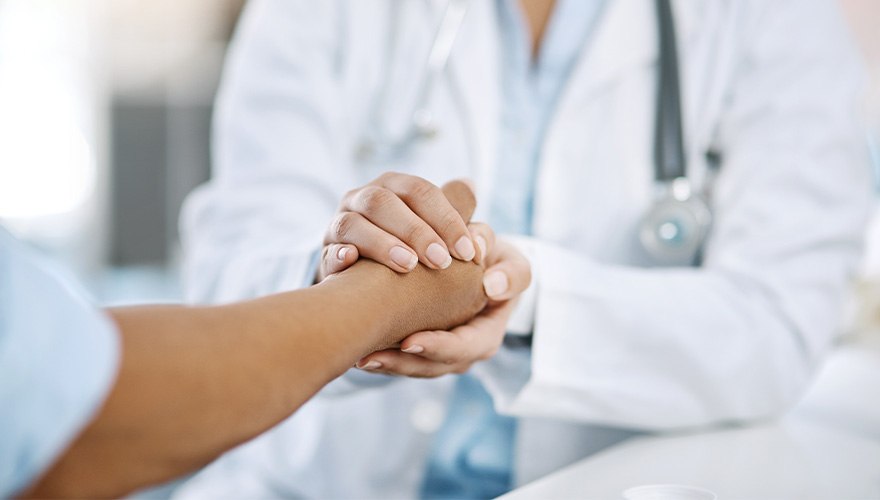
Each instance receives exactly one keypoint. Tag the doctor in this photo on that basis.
(692, 232)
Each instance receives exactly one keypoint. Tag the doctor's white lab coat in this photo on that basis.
(619, 347)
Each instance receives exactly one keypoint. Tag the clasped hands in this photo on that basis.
(400, 221)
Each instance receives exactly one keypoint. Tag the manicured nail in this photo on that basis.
(372, 365)
(483, 246)
(403, 258)
(495, 284)
(414, 349)
(465, 248)
(438, 256)
(342, 253)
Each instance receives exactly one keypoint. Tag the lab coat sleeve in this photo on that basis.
(739, 337)
(279, 127)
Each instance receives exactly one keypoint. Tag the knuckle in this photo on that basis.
(450, 225)
(348, 196)
(419, 189)
(489, 233)
(372, 199)
(416, 232)
(387, 176)
(342, 225)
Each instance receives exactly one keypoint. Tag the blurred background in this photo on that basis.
(105, 109)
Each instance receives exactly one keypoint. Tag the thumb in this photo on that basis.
(461, 197)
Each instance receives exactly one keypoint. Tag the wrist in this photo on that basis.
(394, 305)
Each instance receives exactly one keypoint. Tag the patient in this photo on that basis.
(196, 381)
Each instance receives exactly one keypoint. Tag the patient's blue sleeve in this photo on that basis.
(58, 360)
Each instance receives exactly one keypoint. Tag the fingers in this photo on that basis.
(508, 275)
(436, 353)
(477, 341)
(336, 258)
(399, 220)
(391, 362)
(430, 204)
(372, 242)
(388, 212)
(453, 348)
(484, 236)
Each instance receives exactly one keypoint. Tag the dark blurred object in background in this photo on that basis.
(166, 70)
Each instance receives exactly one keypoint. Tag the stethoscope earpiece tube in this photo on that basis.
(673, 231)
(669, 154)
(379, 144)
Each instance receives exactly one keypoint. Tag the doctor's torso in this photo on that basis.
(596, 163)
(595, 180)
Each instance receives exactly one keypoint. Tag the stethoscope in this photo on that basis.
(674, 229)
(380, 145)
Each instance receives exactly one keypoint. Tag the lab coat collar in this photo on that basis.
(625, 39)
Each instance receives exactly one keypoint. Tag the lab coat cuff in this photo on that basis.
(522, 320)
(297, 272)
(312, 267)
(525, 383)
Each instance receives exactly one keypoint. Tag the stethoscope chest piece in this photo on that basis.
(672, 233)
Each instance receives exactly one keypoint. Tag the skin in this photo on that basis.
(430, 353)
(397, 220)
(537, 14)
(434, 353)
(403, 211)
(197, 381)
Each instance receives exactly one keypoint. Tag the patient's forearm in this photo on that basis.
(195, 382)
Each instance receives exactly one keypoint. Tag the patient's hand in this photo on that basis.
(423, 299)
(440, 352)
(451, 348)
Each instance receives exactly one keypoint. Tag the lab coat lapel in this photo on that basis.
(625, 37)
(474, 73)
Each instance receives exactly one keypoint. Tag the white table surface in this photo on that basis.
(826, 448)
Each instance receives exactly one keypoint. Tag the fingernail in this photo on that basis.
(342, 254)
(439, 256)
(413, 349)
(403, 258)
(372, 365)
(483, 246)
(495, 284)
(465, 248)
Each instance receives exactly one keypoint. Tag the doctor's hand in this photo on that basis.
(435, 353)
(397, 220)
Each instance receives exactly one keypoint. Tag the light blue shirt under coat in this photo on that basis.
(472, 456)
